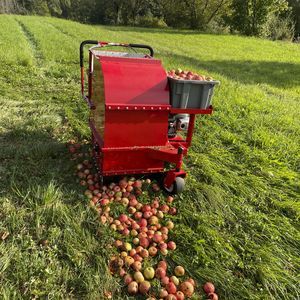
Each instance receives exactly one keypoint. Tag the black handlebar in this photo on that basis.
(101, 44)
(87, 42)
(142, 46)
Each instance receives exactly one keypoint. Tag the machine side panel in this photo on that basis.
(135, 128)
(133, 81)
(130, 162)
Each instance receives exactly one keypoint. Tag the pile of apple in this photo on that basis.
(187, 75)
(142, 233)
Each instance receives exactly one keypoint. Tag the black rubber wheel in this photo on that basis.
(177, 187)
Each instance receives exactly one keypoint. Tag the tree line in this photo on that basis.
(249, 17)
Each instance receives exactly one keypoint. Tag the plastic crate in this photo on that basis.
(191, 93)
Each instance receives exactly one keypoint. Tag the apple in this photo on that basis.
(171, 245)
(133, 232)
(127, 279)
(175, 280)
(144, 287)
(144, 242)
(131, 210)
(160, 273)
(180, 295)
(162, 264)
(153, 220)
(179, 271)
(192, 281)
(170, 225)
(123, 254)
(127, 246)
(137, 265)
(157, 238)
(173, 211)
(147, 214)
(213, 296)
(138, 277)
(164, 251)
(133, 287)
(144, 253)
(187, 288)
(122, 272)
(165, 280)
(129, 260)
(163, 293)
(132, 252)
(136, 241)
(171, 288)
(171, 297)
(209, 288)
(149, 273)
(152, 251)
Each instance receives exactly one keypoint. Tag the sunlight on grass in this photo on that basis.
(239, 216)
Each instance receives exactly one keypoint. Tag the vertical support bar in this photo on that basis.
(82, 80)
(179, 163)
(90, 75)
(190, 130)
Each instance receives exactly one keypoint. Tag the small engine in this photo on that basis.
(178, 122)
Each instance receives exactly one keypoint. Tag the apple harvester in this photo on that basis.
(141, 121)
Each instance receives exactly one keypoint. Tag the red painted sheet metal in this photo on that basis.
(135, 128)
(130, 162)
(134, 81)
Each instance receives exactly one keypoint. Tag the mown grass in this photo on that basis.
(239, 216)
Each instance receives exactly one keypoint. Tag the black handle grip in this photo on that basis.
(142, 46)
(87, 42)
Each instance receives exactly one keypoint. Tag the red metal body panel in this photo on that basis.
(132, 84)
(134, 81)
(135, 128)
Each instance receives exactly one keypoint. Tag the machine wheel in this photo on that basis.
(177, 187)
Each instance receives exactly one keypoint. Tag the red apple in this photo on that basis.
(160, 273)
(171, 288)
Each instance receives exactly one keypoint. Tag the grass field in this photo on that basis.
(238, 224)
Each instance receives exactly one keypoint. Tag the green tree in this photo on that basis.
(195, 14)
(248, 16)
(295, 5)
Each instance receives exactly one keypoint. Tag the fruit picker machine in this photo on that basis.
(141, 121)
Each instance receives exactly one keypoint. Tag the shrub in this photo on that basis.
(278, 28)
(217, 27)
(148, 21)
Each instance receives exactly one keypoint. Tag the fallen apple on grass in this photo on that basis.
(142, 230)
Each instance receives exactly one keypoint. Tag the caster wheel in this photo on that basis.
(177, 187)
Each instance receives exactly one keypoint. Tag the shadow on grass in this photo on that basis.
(154, 30)
(31, 158)
(273, 73)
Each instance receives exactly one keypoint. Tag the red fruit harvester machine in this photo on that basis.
(141, 121)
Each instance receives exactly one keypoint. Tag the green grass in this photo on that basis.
(239, 216)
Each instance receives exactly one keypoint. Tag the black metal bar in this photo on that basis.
(87, 42)
(144, 47)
